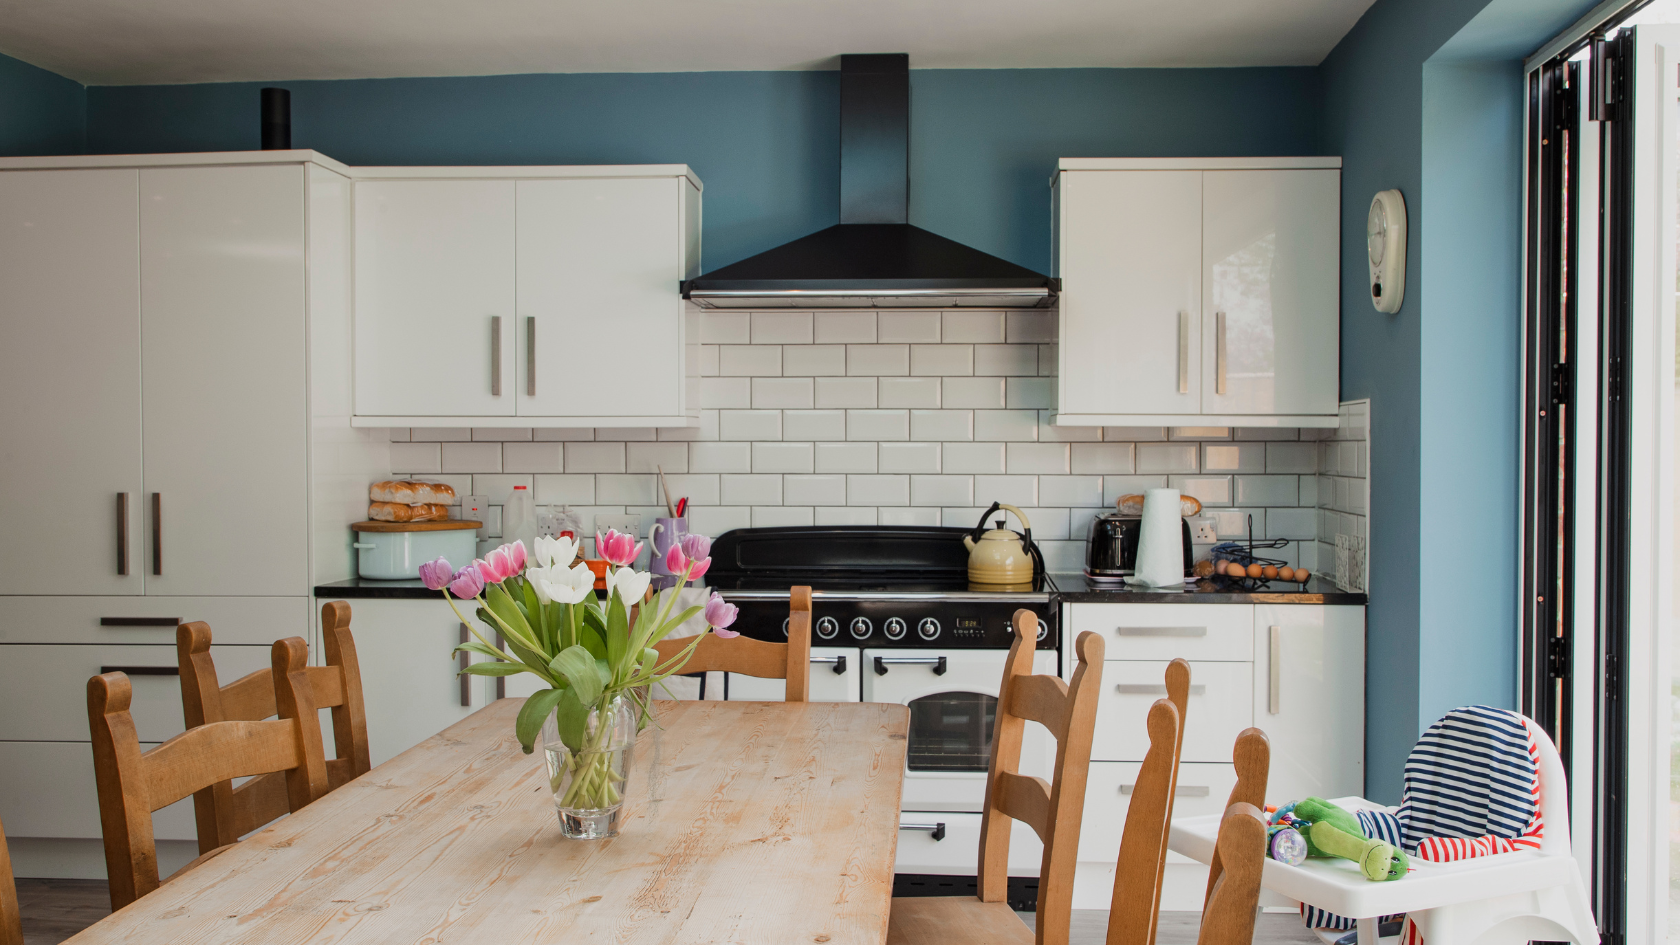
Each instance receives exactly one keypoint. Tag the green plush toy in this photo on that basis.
(1336, 832)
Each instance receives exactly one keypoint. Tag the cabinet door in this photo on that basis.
(70, 377)
(1130, 248)
(434, 298)
(409, 681)
(225, 405)
(1309, 697)
(600, 261)
(1271, 271)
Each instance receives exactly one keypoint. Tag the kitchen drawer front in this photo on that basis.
(958, 852)
(47, 789)
(826, 684)
(1220, 707)
(43, 689)
(244, 620)
(1169, 631)
(1202, 789)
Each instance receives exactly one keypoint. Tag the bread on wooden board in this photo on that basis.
(402, 512)
(1188, 505)
(411, 492)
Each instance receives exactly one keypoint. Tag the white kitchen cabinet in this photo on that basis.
(1309, 698)
(1198, 292)
(543, 296)
(435, 297)
(836, 672)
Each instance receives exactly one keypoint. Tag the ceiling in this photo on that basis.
(124, 42)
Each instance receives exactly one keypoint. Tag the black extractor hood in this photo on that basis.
(873, 257)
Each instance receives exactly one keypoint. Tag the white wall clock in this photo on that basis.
(1385, 236)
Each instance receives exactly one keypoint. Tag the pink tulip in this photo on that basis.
(496, 566)
(516, 553)
(619, 549)
(696, 545)
(677, 562)
(720, 614)
(467, 583)
(436, 575)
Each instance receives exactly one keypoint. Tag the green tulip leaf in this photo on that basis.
(532, 713)
(618, 631)
(495, 669)
(593, 642)
(473, 646)
(578, 666)
(571, 717)
(503, 606)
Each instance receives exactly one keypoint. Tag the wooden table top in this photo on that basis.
(750, 822)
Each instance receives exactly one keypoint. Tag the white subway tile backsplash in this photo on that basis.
(755, 489)
(845, 328)
(844, 515)
(1104, 459)
(1268, 490)
(700, 488)
(541, 457)
(1015, 490)
(725, 328)
(565, 490)
(653, 457)
(626, 434)
(472, 457)
(878, 490)
(974, 458)
(1048, 356)
(563, 434)
(813, 425)
(845, 457)
(814, 490)
(501, 434)
(497, 487)
(941, 424)
(1232, 524)
(1297, 524)
(1064, 555)
(1030, 327)
(973, 327)
(909, 458)
(720, 457)
(708, 360)
(1006, 360)
(776, 516)
(595, 457)
(749, 424)
(1266, 433)
(717, 519)
(1031, 392)
(941, 490)
(1071, 491)
(1291, 458)
(782, 457)
(877, 424)
(781, 328)
(1167, 458)
(919, 392)
(941, 360)
(1038, 458)
(910, 516)
(1048, 433)
(1049, 524)
(1211, 490)
(783, 393)
(976, 393)
(416, 459)
(627, 489)
(1234, 457)
(882, 360)
(907, 327)
(814, 360)
(725, 392)
(845, 392)
(707, 430)
(1309, 491)
(1007, 425)
(397, 434)
(1199, 433)
(1135, 434)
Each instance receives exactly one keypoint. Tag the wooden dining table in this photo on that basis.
(751, 822)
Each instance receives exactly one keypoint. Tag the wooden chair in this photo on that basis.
(1054, 810)
(11, 922)
(133, 784)
(1252, 756)
(1135, 908)
(226, 813)
(790, 661)
(1233, 899)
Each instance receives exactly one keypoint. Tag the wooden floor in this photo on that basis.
(55, 909)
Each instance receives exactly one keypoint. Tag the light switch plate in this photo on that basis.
(474, 508)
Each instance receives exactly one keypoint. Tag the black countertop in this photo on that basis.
(368, 588)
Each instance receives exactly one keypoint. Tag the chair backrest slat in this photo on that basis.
(11, 921)
(349, 712)
(1053, 810)
(1135, 908)
(1228, 917)
(1252, 757)
(790, 661)
(218, 752)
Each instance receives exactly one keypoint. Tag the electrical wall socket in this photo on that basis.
(626, 524)
(1203, 530)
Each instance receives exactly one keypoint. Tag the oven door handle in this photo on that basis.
(838, 661)
(937, 662)
(936, 831)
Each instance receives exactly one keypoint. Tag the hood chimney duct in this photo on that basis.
(875, 138)
(276, 120)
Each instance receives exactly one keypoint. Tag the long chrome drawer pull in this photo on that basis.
(157, 533)
(495, 356)
(838, 661)
(122, 533)
(143, 670)
(530, 356)
(466, 681)
(1219, 353)
(937, 662)
(936, 831)
(1153, 689)
(1184, 352)
(1161, 631)
(1183, 790)
(139, 621)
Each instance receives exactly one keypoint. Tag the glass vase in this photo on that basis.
(589, 782)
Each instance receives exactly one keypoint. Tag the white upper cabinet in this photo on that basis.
(536, 297)
(1198, 292)
(434, 298)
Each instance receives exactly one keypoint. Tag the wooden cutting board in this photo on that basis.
(449, 525)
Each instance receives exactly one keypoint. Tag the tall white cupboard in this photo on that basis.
(178, 446)
(1197, 292)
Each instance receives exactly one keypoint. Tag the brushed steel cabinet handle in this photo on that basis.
(462, 657)
(1183, 790)
(495, 356)
(157, 533)
(1154, 689)
(1184, 352)
(936, 831)
(122, 533)
(139, 621)
(1219, 352)
(1275, 658)
(1161, 631)
(142, 670)
(838, 661)
(530, 356)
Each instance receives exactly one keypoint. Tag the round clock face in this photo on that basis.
(1376, 227)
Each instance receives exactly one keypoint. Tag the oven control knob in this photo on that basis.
(862, 627)
(928, 628)
(1043, 629)
(827, 627)
(895, 628)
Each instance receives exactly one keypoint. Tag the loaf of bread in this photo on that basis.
(1189, 506)
(411, 492)
(402, 512)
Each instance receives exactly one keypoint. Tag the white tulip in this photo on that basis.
(554, 552)
(539, 576)
(629, 585)
(562, 586)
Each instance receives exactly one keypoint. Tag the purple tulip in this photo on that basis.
(678, 563)
(466, 583)
(720, 614)
(696, 545)
(436, 575)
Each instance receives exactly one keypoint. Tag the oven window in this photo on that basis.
(951, 731)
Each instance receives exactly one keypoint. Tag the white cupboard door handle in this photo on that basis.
(1219, 352)
(1153, 689)
(1161, 631)
(1183, 790)
(530, 356)
(1276, 672)
(495, 356)
(1184, 352)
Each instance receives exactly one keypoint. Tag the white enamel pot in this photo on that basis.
(394, 551)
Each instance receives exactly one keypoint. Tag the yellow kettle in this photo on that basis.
(1000, 559)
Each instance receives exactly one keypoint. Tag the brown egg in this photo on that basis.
(1254, 570)
(1302, 575)
(1269, 572)
(1286, 573)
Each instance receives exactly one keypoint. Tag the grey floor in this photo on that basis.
(1090, 927)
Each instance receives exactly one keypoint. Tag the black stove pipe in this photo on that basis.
(276, 120)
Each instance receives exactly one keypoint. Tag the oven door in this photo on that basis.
(952, 696)
(834, 678)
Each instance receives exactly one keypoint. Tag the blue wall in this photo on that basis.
(40, 112)
(983, 142)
